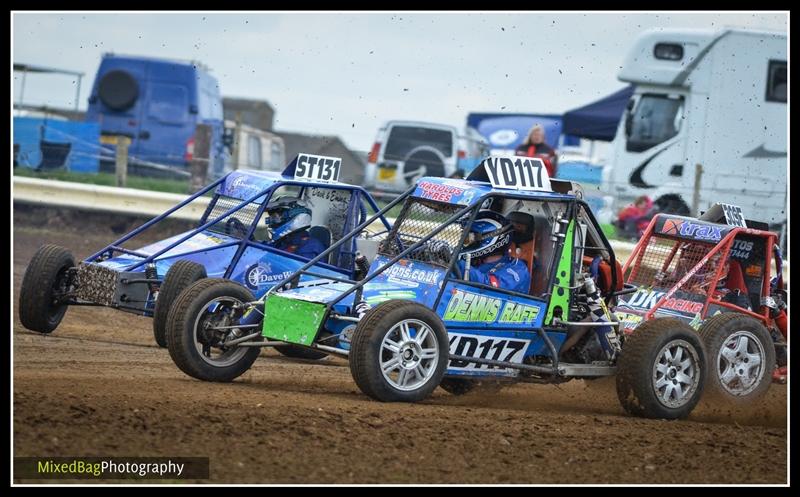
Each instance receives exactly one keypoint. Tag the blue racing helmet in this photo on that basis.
(490, 233)
(287, 215)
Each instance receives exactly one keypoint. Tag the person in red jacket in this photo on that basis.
(535, 146)
(633, 219)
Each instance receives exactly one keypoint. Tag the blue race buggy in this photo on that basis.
(416, 321)
(229, 240)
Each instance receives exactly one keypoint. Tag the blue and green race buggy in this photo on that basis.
(416, 321)
(229, 240)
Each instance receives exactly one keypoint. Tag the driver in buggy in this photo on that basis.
(700, 282)
(289, 219)
(487, 248)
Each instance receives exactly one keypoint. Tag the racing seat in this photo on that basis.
(735, 277)
(524, 251)
(738, 293)
(604, 275)
(323, 235)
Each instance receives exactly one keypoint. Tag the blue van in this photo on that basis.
(157, 103)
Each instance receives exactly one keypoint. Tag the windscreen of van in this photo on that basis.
(656, 119)
(404, 139)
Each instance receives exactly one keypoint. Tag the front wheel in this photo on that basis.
(661, 370)
(399, 352)
(45, 283)
(201, 321)
(741, 357)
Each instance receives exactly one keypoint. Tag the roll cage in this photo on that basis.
(262, 197)
(572, 206)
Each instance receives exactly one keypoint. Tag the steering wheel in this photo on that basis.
(234, 227)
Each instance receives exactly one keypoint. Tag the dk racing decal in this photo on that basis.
(645, 299)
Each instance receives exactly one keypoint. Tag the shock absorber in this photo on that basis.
(362, 266)
(151, 273)
(598, 311)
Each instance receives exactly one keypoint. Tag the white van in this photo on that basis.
(253, 148)
(717, 99)
(406, 150)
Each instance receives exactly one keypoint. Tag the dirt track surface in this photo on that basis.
(99, 386)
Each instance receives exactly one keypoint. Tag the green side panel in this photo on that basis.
(293, 321)
(560, 297)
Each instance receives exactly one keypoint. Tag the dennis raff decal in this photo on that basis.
(260, 274)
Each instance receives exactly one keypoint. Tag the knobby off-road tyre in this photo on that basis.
(186, 334)
(182, 274)
(44, 275)
(741, 358)
(661, 370)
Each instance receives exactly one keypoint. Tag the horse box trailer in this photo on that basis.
(717, 99)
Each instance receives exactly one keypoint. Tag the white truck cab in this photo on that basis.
(713, 98)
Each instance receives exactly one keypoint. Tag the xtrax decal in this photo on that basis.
(681, 227)
(261, 274)
(471, 307)
(645, 299)
(435, 191)
(494, 348)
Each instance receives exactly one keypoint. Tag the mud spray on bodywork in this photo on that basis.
(362, 268)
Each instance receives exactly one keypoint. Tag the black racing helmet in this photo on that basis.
(524, 225)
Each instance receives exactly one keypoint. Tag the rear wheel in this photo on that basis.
(741, 357)
(661, 370)
(44, 285)
(399, 352)
(182, 274)
(201, 322)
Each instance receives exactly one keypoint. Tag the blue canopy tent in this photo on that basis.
(598, 120)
